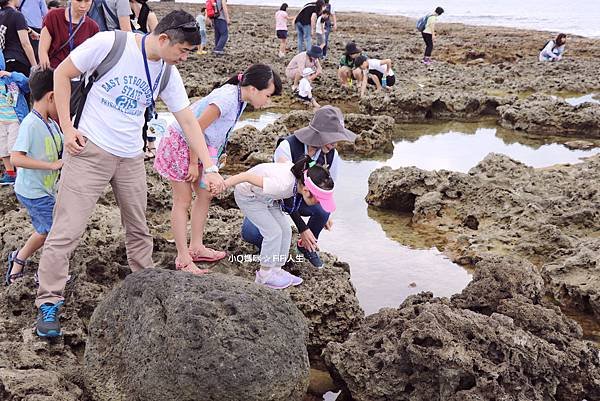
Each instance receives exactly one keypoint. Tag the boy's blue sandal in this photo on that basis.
(10, 278)
(47, 324)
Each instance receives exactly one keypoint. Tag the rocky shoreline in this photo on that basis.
(528, 233)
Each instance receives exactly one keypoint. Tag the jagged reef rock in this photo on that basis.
(509, 348)
(550, 116)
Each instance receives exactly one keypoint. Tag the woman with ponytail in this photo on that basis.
(259, 193)
(217, 115)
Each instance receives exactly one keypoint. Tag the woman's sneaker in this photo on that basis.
(47, 324)
(274, 278)
(295, 279)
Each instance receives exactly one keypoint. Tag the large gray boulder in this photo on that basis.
(164, 335)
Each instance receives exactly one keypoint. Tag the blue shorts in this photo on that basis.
(40, 210)
(282, 34)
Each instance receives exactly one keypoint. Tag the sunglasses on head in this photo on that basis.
(189, 26)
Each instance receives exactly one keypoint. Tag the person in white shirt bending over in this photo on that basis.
(375, 72)
(554, 49)
(305, 88)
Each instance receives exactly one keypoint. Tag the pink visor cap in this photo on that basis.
(324, 196)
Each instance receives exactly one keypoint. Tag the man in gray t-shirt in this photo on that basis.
(121, 10)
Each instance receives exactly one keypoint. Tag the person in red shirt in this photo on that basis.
(64, 29)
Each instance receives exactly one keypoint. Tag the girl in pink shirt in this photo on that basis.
(281, 22)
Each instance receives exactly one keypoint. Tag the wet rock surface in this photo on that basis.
(574, 278)
(545, 115)
(249, 146)
(162, 334)
(544, 215)
(421, 106)
(495, 340)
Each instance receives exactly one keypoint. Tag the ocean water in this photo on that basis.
(579, 17)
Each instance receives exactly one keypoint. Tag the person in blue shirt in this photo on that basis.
(37, 154)
(13, 108)
(34, 12)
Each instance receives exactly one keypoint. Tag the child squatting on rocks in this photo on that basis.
(217, 114)
(259, 193)
(37, 153)
(305, 89)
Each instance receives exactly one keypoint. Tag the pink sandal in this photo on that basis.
(208, 255)
(190, 268)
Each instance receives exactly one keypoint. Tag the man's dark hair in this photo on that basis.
(3, 3)
(439, 10)
(40, 83)
(53, 4)
(359, 61)
(180, 27)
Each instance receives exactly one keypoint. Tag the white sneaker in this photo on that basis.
(295, 279)
(274, 278)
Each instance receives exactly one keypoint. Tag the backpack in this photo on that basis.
(212, 9)
(81, 88)
(422, 22)
(96, 13)
(546, 44)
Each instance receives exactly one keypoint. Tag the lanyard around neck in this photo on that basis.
(295, 204)
(239, 113)
(152, 87)
(56, 147)
(71, 33)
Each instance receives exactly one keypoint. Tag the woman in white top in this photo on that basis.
(429, 34)
(554, 49)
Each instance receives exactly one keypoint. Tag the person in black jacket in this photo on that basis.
(305, 23)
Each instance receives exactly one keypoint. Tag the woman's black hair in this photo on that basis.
(558, 40)
(439, 10)
(283, 7)
(318, 174)
(259, 76)
(358, 62)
